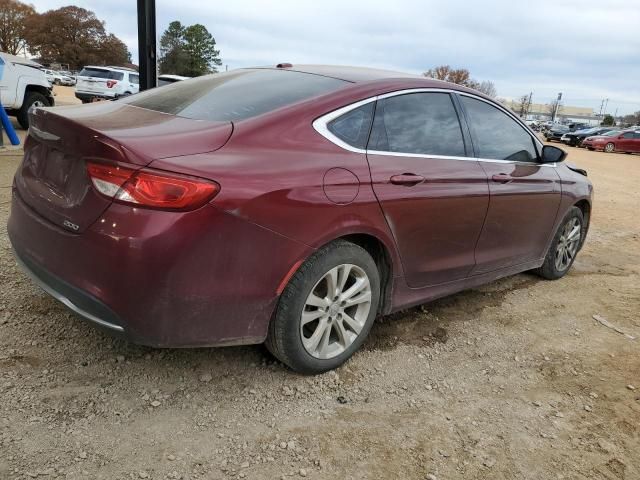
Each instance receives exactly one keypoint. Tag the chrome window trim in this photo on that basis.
(64, 300)
(320, 125)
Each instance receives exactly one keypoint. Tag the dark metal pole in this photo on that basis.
(147, 43)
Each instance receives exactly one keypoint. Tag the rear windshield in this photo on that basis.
(101, 73)
(235, 96)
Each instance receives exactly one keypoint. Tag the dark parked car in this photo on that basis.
(556, 133)
(290, 205)
(627, 141)
(575, 139)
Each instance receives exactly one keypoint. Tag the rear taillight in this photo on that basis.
(151, 188)
(111, 83)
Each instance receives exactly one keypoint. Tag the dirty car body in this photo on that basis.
(270, 184)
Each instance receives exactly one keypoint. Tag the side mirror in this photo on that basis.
(551, 154)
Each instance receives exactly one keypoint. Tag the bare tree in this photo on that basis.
(488, 88)
(631, 119)
(461, 76)
(554, 108)
(13, 16)
(522, 107)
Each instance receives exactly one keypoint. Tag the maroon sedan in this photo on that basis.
(288, 205)
(626, 141)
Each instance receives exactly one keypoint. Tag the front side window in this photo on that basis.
(497, 135)
(628, 135)
(135, 79)
(353, 127)
(417, 123)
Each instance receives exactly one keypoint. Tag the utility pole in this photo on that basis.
(601, 105)
(605, 106)
(147, 44)
(556, 107)
(528, 105)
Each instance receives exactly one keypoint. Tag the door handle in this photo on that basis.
(502, 178)
(407, 179)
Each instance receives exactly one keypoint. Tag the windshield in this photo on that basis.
(611, 133)
(237, 95)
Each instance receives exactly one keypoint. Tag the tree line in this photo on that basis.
(71, 35)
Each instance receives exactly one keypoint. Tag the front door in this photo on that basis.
(524, 194)
(434, 195)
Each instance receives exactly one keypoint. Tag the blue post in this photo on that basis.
(6, 124)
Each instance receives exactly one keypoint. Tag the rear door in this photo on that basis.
(134, 82)
(524, 194)
(434, 195)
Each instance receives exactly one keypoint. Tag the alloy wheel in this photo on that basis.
(335, 311)
(37, 104)
(568, 244)
(609, 147)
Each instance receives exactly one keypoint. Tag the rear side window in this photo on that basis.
(133, 78)
(101, 73)
(353, 127)
(498, 136)
(237, 95)
(418, 123)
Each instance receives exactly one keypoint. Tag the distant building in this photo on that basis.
(566, 113)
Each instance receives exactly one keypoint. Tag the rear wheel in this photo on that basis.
(564, 247)
(327, 309)
(609, 147)
(32, 100)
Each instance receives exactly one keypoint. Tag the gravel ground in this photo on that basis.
(515, 380)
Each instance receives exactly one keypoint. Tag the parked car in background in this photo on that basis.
(166, 79)
(627, 141)
(106, 83)
(554, 134)
(291, 205)
(71, 75)
(57, 78)
(23, 85)
(575, 139)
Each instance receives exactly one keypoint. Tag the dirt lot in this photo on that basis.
(515, 380)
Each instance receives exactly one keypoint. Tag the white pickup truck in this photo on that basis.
(23, 85)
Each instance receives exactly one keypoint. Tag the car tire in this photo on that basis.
(609, 147)
(564, 247)
(325, 339)
(31, 99)
(56, 82)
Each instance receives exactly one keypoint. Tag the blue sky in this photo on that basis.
(587, 49)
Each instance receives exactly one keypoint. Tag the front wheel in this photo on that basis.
(32, 100)
(564, 247)
(609, 147)
(327, 309)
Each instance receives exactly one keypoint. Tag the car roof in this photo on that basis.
(348, 73)
(174, 77)
(119, 69)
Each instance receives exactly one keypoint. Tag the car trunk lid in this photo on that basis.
(53, 179)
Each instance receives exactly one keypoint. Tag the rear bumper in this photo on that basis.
(85, 305)
(163, 279)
